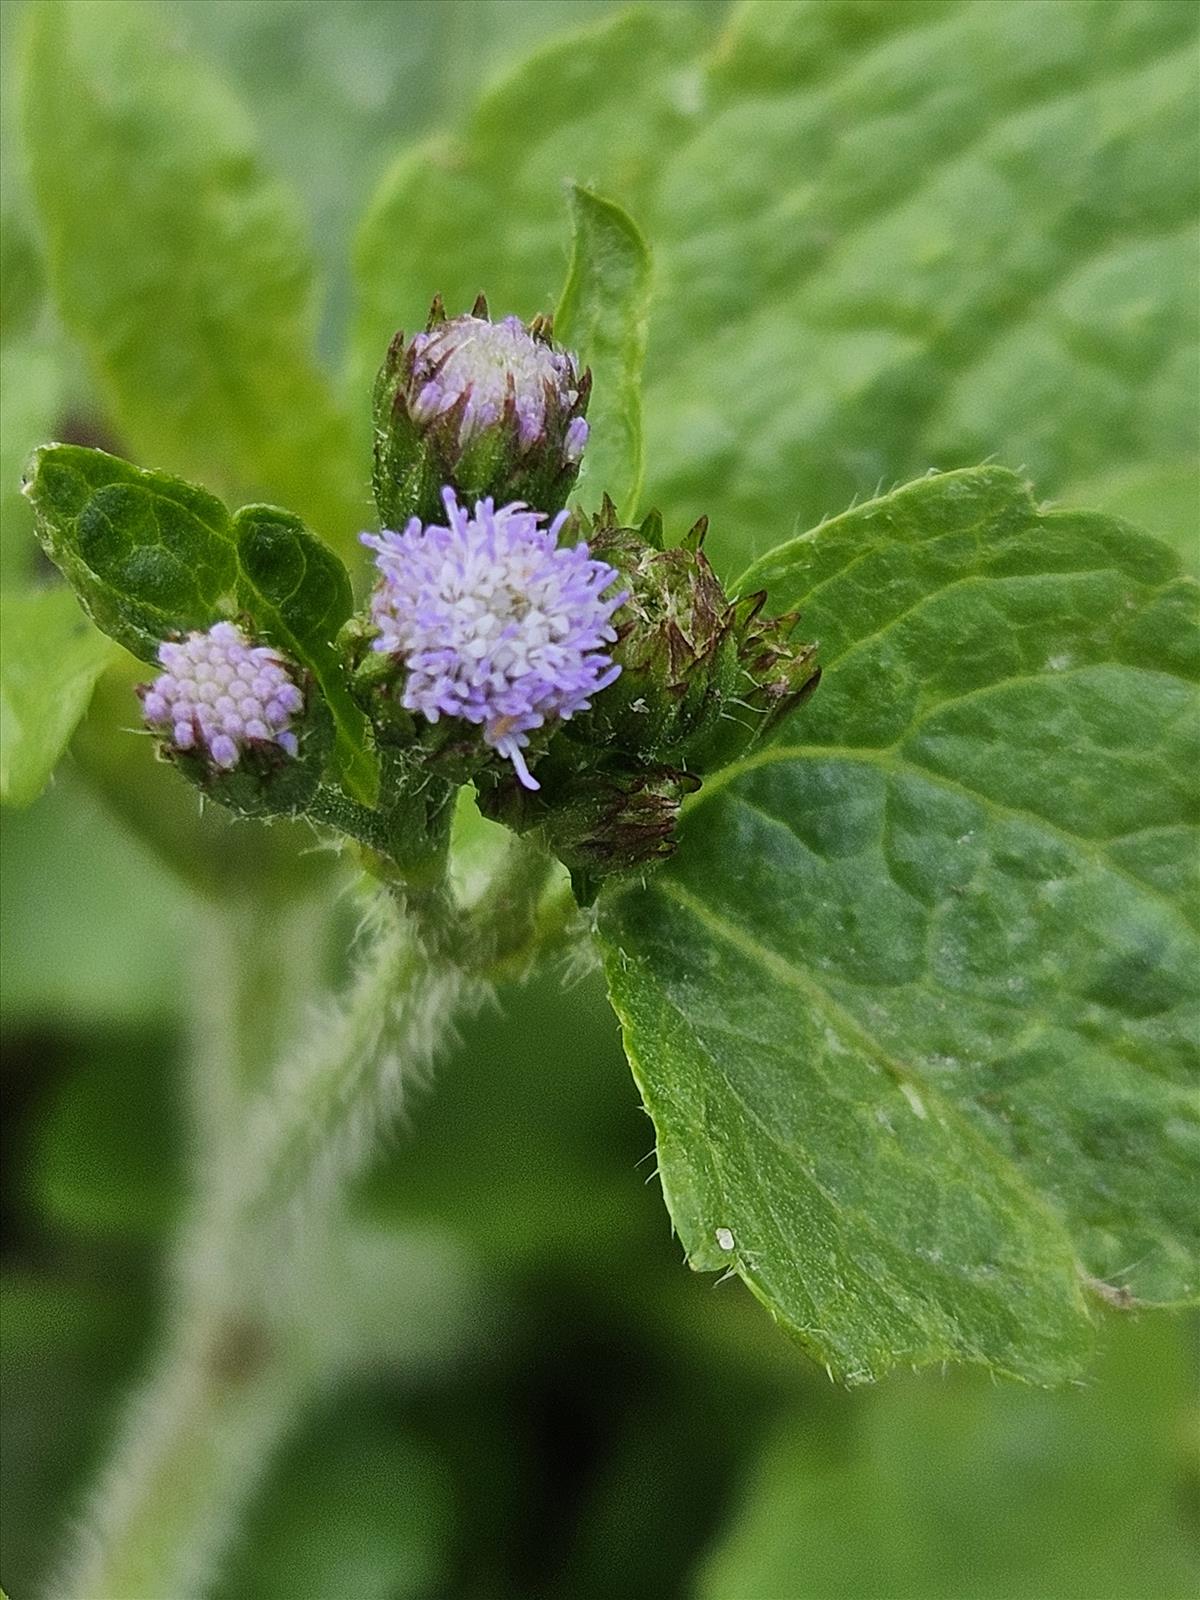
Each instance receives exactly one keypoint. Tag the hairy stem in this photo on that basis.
(315, 1124)
(277, 1154)
(192, 1449)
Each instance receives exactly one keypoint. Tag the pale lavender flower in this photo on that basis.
(486, 362)
(494, 622)
(221, 695)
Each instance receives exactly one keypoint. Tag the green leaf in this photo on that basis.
(66, 871)
(151, 556)
(913, 1008)
(299, 594)
(147, 554)
(180, 264)
(602, 318)
(359, 1508)
(974, 1491)
(983, 246)
(50, 659)
(886, 237)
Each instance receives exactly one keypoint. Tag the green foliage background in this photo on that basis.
(886, 237)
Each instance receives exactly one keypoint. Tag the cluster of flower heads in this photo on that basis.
(494, 621)
(491, 364)
(221, 695)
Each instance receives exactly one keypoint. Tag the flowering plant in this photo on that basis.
(878, 833)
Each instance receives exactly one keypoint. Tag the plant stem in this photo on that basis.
(316, 1122)
(238, 1366)
(192, 1449)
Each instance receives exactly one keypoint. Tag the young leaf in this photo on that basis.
(151, 556)
(912, 1008)
(602, 318)
(50, 658)
(298, 593)
(180, 265)
(147, 554)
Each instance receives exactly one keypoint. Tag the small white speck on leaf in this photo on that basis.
(725, 1238)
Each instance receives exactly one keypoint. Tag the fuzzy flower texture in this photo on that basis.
(494, 621)
(487, 362)
(221, 695)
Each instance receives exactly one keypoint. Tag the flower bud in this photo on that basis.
(493, 408)
(597, 823)
(239, 720)
(702, 679)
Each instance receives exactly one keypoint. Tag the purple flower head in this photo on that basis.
(221, 695)
(485, 366)
(494, 622)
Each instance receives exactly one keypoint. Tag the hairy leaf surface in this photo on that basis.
(914, 1008)
(298, 592)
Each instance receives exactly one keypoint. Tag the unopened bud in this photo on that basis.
(494, 408)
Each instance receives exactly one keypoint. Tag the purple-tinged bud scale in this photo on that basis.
(491, 622)
(220, 696)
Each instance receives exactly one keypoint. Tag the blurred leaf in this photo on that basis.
(151, 556)
(50, 658)
(484, 209)
(912, 1007)
(180, 265)
(602, 318)
(965, 1491)
(298, 593)
(886, 237)
(91, 926)
(359, 1509)
(71, 1342)
(107, 1153)
(334, 86)
(22, 281)
(1161, 498)
(527, 1148)
(981, 252)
